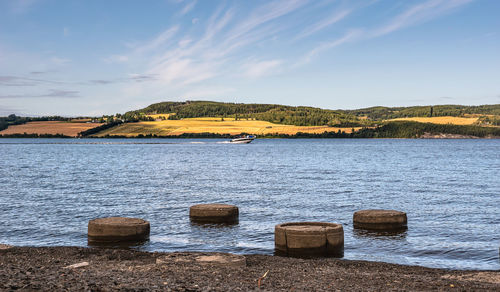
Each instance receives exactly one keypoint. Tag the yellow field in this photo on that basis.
(211, 125)
(50, 127)
(441, 120)
(159, 116)
(80, 120)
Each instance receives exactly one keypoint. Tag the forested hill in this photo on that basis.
(281, 114)
(307, 116)
(384, 113)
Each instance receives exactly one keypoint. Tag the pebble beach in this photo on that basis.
(101, 269)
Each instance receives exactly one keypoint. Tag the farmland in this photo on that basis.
(212, 125)
(50, 127)
(441, 120)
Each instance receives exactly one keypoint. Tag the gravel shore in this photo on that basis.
(99, 269)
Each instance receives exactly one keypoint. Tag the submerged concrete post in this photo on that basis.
(214, 213)
(309, 239)
(117, 229)
(380, 220)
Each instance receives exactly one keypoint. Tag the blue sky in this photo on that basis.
(102, 57)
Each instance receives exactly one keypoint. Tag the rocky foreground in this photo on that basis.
(96, 269)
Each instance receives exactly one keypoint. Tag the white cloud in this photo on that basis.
(419, 13)
(324, 23)
(183, 58)
(184, 42)
(66, 31)
(184, 71)
(188, 8)
(188, 60)
(259, 69)
(159, 41)
(60, 61)
(264, 14)
(21, 6)
(56, 93)
(348, 37)
(116, 59)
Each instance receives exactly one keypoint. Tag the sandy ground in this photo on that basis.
(98, 269)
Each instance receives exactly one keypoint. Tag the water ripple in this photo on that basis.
(50, 188)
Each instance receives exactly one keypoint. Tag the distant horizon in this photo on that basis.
(102, 57)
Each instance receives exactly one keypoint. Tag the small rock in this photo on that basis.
(5, 246)
(78, 265)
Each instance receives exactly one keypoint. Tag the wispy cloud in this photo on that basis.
(38, 72)
(60, 93)
(9, 80)
(20, 81)
(419, 13)
(21, 6)
(264, 14)
(142, 77)
(139, 78)
(188, 8)
(66, 31)
(197, 59)
(182, 57)
(158, 41)
(348, 37)
(60, 61)
(324, 23)
(413, 15)
(16, 81)
(257, 69)
(52, 93)
(116, 59)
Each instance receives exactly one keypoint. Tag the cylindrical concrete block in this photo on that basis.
(117, 229)
(380, 220)
(214, 213)
(309, 239)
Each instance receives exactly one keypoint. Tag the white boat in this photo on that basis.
(243, 139)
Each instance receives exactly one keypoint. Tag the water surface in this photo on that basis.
(450, 189)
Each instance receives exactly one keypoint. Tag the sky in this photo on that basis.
(93, 57)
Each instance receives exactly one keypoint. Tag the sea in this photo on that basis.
(450, 190)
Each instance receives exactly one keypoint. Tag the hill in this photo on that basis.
(311, 116)
(279, 114)
(218, 119)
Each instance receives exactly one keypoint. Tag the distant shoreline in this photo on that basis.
(426, 136)
(206, 119)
